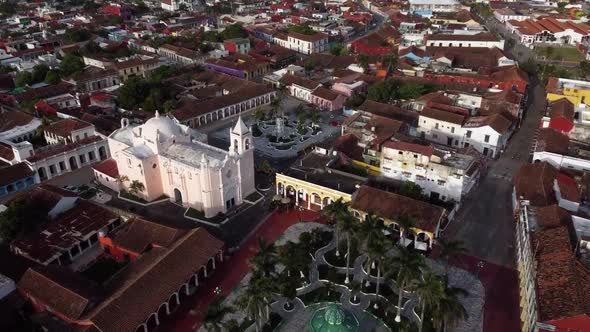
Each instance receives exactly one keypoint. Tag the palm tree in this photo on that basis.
(121, 179)
(449, 311)
(136, 187)
(336, 211)
(216, 312)
(409, 265)
(406, 223)
(266, 258)
(314, 117)
(450, 249)
(348, 225)
(376, 252)
(369, 230)
(430, 290)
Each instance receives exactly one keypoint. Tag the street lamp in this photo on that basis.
(480, 266)
(217, 290)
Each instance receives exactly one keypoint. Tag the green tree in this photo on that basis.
(450, 249)
(409, 265)
(71, 65)
(339, 49)
(430, 291)
(233, 31)
(183, 8)
(136, 187)
(52, 77)
(23, 78)
(266, 258)
(215, 315)
(376, 252)
(121, 180)
(288, 288)
(133, 92)
(449, 312)
(355, 100)
(78, 35)
(259, 114)
(303, 29)
(336, 211)
(21, 217)
(349, 225)
(309, 65)
(364, 61)
(39, 73)
(410, 189)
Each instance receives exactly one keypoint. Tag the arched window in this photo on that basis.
(247, 144)
(236, 145)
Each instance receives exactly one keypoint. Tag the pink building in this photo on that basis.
(327, 99)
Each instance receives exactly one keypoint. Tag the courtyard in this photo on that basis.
(318, 279)
(285, 134)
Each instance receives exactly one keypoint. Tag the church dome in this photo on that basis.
(162, 124)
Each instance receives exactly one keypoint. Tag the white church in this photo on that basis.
(168, 159)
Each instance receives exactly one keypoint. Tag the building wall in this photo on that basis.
(562, 162)
(439, 131)
(62, 163)
(496, 142)
(526, 269)
(106, 181)
(447, 182)
(17, 186)
(118, 253)
(466, 43)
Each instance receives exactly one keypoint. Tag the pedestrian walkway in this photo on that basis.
(228, 275)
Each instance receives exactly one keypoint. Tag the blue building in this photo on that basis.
(16, 178)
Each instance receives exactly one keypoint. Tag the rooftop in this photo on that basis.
(393, 206)
(63, 232)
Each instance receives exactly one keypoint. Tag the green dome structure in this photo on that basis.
(333, 318)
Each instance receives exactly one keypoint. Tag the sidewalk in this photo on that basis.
(501, 308)
(229, 274)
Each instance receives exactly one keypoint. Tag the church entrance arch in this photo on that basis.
(177, 196)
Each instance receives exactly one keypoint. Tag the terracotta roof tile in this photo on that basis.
(158, 277)
(9, 120)
(426, 150)
(393, 206)
(14, 173)
(534, 182)
(63, 291)
(443, 116)
(138, 234)
(107, 167)
(65, 127)
(551, 140)
(62, 148)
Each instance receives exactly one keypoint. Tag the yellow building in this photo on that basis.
(578, 92)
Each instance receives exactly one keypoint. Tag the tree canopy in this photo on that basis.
(303, 29)
(21, 217)
(390, 90)
(71, 64)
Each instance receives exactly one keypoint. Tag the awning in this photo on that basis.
(405, 242)
(421, 245)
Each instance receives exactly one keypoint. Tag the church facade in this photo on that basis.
(167, 159)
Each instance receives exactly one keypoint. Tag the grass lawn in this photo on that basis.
(218, 219)
(104, 268)
(132, 197)
(253, 197)
(320, 295)
(560, 53)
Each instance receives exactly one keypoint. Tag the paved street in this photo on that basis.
(485, 222)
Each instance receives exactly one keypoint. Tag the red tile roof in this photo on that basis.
(10, 120)
(151, 279)
(534, 182)
(65, 127)
(568, 188)
(425, 150)
(561, 281)
(394, 206)
(61, 290)
(64, 232)
(138, 234)
(107, 167)
(14, 173)
(6, 152)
